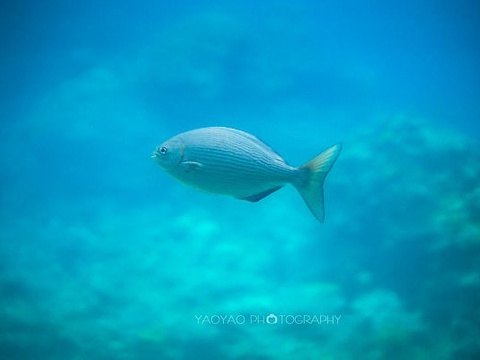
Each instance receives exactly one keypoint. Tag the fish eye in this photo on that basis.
(163, 150)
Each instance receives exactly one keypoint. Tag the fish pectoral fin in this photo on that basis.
(191, 166)
(260, 196)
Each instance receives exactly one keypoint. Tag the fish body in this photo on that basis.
(232, 162)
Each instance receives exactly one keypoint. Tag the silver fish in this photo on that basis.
(231, 162)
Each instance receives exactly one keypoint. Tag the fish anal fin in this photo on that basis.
(260, 196)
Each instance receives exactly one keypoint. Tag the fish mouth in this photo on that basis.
(156, 153)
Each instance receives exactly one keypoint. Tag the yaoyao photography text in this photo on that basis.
(270, 319)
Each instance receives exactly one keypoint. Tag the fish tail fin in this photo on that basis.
(313, 174)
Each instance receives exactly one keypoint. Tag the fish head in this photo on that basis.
(169, 154)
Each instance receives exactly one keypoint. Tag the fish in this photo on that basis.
(227, 161)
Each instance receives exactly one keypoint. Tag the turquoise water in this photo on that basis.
(104, 256)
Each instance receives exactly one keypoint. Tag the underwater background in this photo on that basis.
(104, 256)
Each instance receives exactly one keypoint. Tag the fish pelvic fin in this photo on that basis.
(313, 174)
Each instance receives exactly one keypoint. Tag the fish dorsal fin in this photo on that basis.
(260, 196)
(254, 140)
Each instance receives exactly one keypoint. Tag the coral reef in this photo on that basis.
(397, 262)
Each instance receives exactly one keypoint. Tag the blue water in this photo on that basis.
(104, 256)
